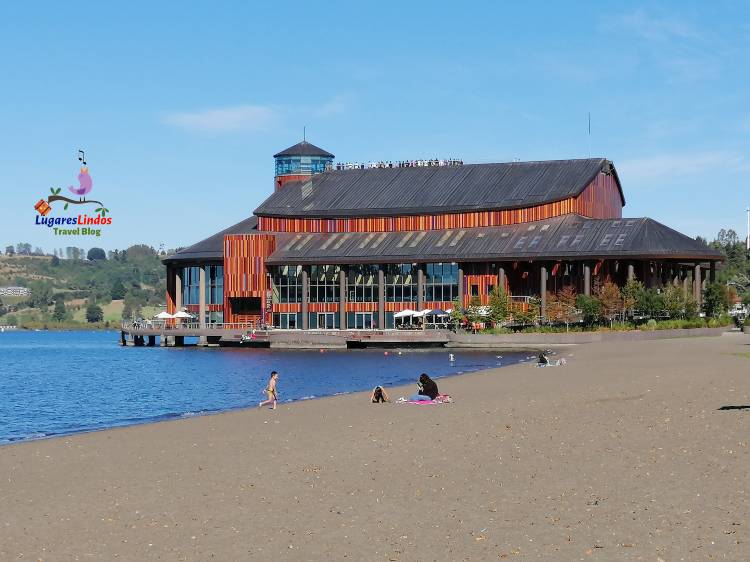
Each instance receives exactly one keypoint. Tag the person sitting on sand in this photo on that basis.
(271, 391)
(379, 395)
(542, 359)
(428, 389)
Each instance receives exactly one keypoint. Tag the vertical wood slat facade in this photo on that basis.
(600, 200)
(245, 271)
(171, 289)
(484, 282)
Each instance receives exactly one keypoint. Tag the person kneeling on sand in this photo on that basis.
(427, 389)
(542, 359)
(271, 391)
(379, 395)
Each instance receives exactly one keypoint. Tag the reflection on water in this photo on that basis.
(54, 383)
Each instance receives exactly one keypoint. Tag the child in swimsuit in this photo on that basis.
(271, 391)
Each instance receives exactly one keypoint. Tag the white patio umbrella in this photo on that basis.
(404, 313)
(422, 313)
(182, 314)
(164, 315)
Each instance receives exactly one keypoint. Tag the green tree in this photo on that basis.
(457, 313)
(127, 311)
(140, 250)
(715, 300)
(590, 307)
(94, 313)
(473, 312)
(60, 312)
(631, 295)
(527, 315)
(41, 294)
(55, 261)
(10, 251)
(651, 303)
(11, 320)
(96, 254)
(499, 305)
(118, 290)
(674, 301)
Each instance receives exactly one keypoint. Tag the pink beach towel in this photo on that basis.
(439, 399)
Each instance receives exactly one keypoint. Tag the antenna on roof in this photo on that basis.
(303, 134)
(589, 134)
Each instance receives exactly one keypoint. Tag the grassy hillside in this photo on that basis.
(131, 284)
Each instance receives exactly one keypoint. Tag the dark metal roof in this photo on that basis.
(213, 246)
(565, 237)
(439, 189)
(304, 148)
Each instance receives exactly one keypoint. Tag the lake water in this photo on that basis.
(54, 383)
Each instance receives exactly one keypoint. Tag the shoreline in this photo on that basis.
(173, 417)
(625, 453)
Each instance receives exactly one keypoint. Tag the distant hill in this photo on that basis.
(121, 285)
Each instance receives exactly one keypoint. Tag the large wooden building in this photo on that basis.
(347, 247)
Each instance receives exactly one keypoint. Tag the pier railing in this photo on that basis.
(166, 325)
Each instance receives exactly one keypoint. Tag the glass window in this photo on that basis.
(302, 164)
(214, 317)
(287, 283)
(324, 283)
(441, 282)
(286, 320)
(214, 284)
(362, 283)
(400, 282)
(191, 285)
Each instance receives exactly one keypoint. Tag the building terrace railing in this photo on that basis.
(165, 325)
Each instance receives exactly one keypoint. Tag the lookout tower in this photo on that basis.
(299, 162)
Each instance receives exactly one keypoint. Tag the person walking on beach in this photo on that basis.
(271, 391)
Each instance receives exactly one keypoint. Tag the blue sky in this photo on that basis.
(181, 106)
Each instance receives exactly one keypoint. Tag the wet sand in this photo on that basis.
(623, 454)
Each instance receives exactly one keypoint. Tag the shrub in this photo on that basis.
(674, 301)
(499, 305)
(590, 307)
(715, 300)
(651, 303)
(651, 325)
(94, 313)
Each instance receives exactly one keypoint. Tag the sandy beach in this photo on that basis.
(623, 454)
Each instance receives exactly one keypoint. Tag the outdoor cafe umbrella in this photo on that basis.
(438, 312)
(182, 314)
(164, 315)
(404, 313)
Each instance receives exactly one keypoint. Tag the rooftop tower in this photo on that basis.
(299, 162)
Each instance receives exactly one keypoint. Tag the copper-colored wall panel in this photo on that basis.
(483, 281)
(361, 306)
(323, 307)
(245, 271)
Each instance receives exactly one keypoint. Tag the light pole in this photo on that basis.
(747, 240)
